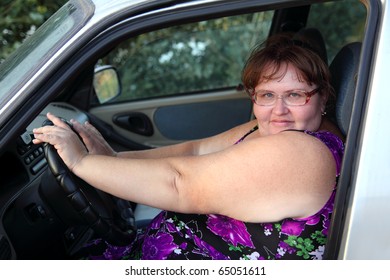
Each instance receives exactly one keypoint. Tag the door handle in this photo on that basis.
(135, 122)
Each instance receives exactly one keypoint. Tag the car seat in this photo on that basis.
(314, 38)
(343, 70)
(144, 214)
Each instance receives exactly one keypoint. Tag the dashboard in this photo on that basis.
(32, 154)
(33, 210)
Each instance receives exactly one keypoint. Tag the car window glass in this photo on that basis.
(196, 57)
(339, 22)
(42, 44)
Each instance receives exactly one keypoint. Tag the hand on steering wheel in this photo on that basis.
(110, 217)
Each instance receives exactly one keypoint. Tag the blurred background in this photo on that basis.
(20, 18)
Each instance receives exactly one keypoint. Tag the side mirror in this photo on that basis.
(106, 83)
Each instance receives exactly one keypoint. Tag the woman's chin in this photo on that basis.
(279, 128)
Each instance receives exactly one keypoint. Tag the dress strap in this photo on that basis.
(256, 127)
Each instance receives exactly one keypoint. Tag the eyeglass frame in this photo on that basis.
(308, 94)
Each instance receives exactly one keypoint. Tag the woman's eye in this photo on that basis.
(296, 95)
(267, 95)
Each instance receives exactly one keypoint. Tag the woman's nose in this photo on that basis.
(280, 107)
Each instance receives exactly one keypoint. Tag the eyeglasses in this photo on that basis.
(290, 98)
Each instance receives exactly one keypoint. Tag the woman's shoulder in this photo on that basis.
(331, 140)
(334, 144)
(305, 149)
(315, 143)
(306, 139)
(292, 167)
(328, 133)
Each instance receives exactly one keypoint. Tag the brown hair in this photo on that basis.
(281, 50)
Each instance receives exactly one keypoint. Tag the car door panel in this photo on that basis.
(175, 119)
(197, 120)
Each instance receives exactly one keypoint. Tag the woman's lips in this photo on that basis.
(281, 122)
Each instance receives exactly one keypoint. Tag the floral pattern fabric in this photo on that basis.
(215, 237)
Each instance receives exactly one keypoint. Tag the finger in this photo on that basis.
(89, 133)
(38, 132)
(44, 129)
(49, 133)
(84, 134)
(45, 137)
(78, 127)
(92, 130)
(57, 121)
(81, 131)
(36, 141)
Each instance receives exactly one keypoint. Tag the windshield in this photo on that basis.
(36, 50)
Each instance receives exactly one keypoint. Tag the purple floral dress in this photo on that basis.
(188, 236)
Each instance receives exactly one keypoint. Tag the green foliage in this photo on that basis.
(20, 18)
(345, 24)
(191, 57)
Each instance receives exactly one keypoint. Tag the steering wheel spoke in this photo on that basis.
(110, 217)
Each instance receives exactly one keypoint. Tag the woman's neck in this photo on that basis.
(328, 125)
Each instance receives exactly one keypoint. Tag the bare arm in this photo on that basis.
(253, 181)
(196, 147)
(289, 174)
(96, 144)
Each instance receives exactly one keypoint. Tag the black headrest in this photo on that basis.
(344, 69)
(314, 38)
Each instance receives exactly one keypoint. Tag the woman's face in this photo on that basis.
(278, 117)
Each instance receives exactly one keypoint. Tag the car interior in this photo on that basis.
(48, 213)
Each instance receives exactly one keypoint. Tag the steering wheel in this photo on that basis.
(110, 217)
